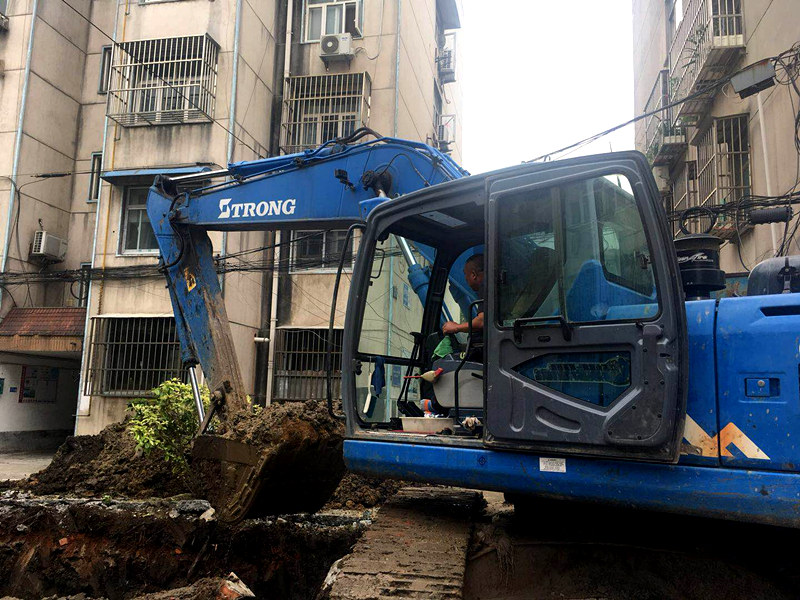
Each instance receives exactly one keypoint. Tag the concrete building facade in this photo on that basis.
(717, 148)
(97, 97)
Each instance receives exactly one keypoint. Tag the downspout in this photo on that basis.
(18, 142)
(273, 317)
(232, 113)
(397, 68)
(767, 175)
(86, 401)
(276, 261)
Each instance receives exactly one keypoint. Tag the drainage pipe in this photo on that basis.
(18, 142)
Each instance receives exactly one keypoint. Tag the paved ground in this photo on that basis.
(18, 465)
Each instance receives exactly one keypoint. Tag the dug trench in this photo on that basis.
(107, 520)
(126, 548)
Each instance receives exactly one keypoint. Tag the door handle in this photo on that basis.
(519, 324)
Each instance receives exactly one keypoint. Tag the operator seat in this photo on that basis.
(540, 279)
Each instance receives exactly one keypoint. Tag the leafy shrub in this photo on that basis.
(167, 422)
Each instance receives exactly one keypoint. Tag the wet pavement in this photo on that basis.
(18, 465)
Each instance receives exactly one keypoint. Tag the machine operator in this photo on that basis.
(473, 273)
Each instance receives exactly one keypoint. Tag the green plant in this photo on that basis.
(167, 422)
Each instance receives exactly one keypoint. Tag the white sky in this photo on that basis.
(541, 74)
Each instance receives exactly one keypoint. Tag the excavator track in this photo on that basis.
(416, 548)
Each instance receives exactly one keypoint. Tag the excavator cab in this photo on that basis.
(583, 349)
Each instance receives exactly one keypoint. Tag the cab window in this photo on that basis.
(578, 250)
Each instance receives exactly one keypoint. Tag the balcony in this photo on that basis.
(707, 44)
(166, 81)
(664, 140)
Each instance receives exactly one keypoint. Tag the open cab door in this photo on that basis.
(585, 329)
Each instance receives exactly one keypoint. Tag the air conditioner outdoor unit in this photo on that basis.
(336, 47)
(446, 63)
(445, 132)
(49, 247)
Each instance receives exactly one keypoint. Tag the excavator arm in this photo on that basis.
(333, 186)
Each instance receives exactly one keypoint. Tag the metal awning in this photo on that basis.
(449, 13)
(146, 176)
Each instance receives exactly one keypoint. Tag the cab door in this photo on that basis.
(585, 324)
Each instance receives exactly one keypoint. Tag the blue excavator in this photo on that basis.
(604, 371)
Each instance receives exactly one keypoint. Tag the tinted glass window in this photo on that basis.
(577, 250)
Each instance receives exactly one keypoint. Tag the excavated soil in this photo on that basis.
(300, 441)
(59, 546)
(106, 463)
(357, 492)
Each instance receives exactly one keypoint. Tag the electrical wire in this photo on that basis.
(567, 150)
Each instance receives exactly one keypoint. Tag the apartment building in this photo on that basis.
(100, 96)
(716, 148)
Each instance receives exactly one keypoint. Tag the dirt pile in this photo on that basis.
(299, 444)
(357, 492)
(125, 549)
(106, 463)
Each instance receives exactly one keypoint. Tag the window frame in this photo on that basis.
(323, 5)
(123, 227)
(95, 182)
(299, 233)
(560, 240)
(104, 78)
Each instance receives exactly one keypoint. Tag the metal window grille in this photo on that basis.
(164, 81)
(300, 364)
(129, 356)
(684, 192)
(703, 49)
(320, 249)
(723, 161)
(320, 108)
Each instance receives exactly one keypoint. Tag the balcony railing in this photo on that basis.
(707, 43)
(664, 139)
(164, 81)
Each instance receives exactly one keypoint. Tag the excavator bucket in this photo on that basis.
(296, 471)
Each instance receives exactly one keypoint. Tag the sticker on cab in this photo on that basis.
(552, 465)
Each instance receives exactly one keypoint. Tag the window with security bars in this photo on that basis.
(300, 364)
(129, 356)
(320, 108)
(313, 250)
(164, 81)
(723, 162)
